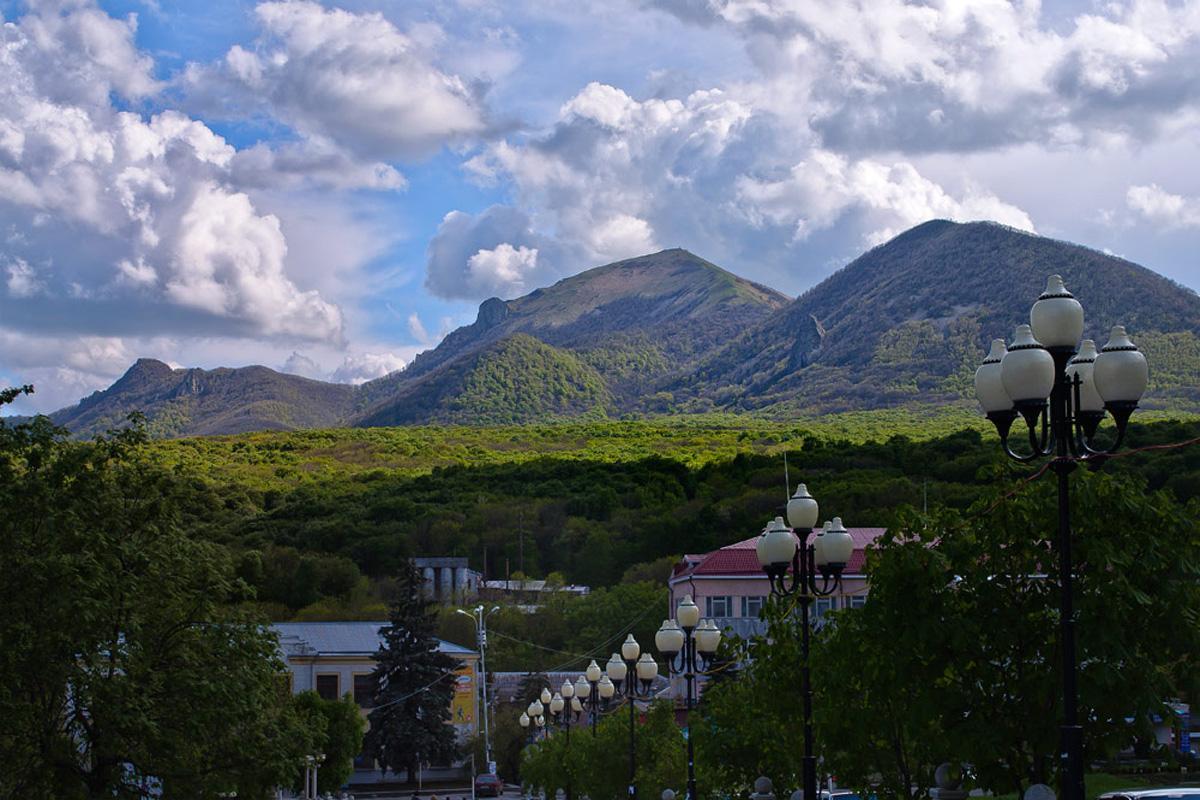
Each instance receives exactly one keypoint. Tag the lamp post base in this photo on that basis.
(810, 778)
(1072, 786)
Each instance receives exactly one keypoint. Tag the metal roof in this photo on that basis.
(344, 638)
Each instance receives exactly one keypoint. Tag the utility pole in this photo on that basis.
(479, 617)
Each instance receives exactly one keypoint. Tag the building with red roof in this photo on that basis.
(730, 587)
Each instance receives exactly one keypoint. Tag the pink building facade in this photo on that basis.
(730, 587)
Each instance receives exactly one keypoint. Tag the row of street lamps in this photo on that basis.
(1063, 389)
(687, 642)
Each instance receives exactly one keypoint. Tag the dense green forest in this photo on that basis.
(319, 520)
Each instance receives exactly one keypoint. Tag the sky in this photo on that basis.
(328, 189)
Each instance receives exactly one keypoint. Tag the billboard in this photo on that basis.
(462, 706)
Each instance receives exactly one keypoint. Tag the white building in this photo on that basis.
(337, 658)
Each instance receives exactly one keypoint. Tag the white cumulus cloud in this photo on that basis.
(714, 171)
(1161, 207)
(125, 224)
(362, 367)
(353, 79)
(502, 270)
(818, 191)
(969, 75)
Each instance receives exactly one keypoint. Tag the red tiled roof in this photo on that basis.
(740, 558)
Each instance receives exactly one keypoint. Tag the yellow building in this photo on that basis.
(337, 658)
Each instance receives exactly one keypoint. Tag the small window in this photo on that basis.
(823, 606)
(752, 605)
(364, 690)
(719, 606)
(327, 686)
(856, 601)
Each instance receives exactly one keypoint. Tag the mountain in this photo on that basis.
(196, 402)
(909, 320)
(492, 385)
(634, 324)
(903, 325)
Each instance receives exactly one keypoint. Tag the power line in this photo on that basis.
(574, 657)
(1020, 486)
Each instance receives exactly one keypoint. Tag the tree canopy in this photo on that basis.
(410, 720)
(127, 663)
(955, 656)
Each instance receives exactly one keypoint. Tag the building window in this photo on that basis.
(719, 606)
(856, 601)
(823, 606)
(327, 686)
(364, 690)
(752, 606)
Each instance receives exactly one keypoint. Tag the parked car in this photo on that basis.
(488, 785)
(1168, 793)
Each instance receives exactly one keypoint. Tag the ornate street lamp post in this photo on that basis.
(780, 550)
(1063, 394)
(688, 644)
(640, 672)
(536, 712)
(594, 689)
(525, 720)
(564, 706)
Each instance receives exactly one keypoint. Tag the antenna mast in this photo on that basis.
(787, 484)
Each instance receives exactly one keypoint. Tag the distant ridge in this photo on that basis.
(634, 322)
(905, 324)
(197, 402)
(908, 321)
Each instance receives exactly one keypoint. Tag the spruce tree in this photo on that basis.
(414, 687)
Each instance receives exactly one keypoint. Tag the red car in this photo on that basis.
(487, 785)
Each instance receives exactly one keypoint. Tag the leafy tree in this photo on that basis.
(508, 741)
(591, 618)
(595, 766)
(748, 723)
(956, 654)
(1137, 558)
(530, 688)
(410, 720)
(125, 662)
(339, 730)
(880, 671)
(657, 571)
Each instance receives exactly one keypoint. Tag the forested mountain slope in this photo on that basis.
(196, 402)
(908, 322)
(635, 323)
(902, 326)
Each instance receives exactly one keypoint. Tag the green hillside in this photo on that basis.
(638, 322)
(596, 502)
(198, 402)
(908, 321)
(901, 327)
(517, 379)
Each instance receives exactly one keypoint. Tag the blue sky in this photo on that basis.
(329, 188)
